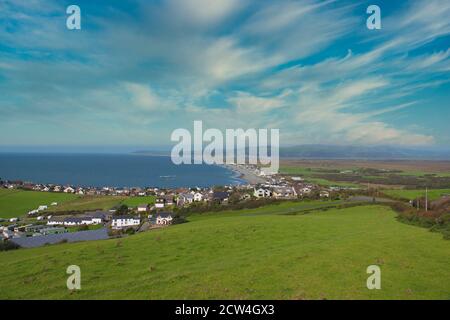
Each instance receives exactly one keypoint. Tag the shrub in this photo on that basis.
(177, 219)
(83, 227)
(8, 245)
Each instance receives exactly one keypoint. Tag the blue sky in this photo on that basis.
(139, 69)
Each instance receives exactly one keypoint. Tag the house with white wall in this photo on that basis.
(198, 196)
(119, 222)
(262, 193)
(69, 190)
(160, 203)
(142, 208)
(164, 218)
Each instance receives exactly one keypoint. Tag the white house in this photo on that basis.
(324, 194)
(73, 221)
(262, 193)
(97, 220)
(42, 208)
(69, 190)
(164, 218)
(98, 216)
(284, 192)
(33, 212)
(198, 196)
(245, 196)
(51, 221)
(7, 234)
(125, 221)
(142, 208)
(54, 203)
(159, 203)
(87, 220)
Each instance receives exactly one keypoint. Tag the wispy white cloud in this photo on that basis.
(298, 65)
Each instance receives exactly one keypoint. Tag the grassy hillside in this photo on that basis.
(285, 207)
(90, 203)
(135, 201)
(433, 194)
(307, 174)
(314, 256)
(102, 202)
(14, 203)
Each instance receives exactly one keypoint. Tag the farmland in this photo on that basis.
(385, 174)
(135, 201)
(319, 255)
(90, 203)
(15, 203)
(102, 202)
(433, 194)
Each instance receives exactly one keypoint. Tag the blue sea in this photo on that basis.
(112, 170)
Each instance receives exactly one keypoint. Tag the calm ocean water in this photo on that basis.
(114, 170)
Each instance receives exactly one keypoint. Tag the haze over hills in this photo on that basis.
(319, 151)
(365, 152)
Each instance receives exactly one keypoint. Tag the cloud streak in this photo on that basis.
(144, 68)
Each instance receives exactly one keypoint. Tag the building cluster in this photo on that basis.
(92, 191)
(29, 230)
(88, 218)
(159, 213)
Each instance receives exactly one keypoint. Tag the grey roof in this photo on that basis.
(164, 215)
(220, 195)
(97, 214)
(74, 219)
(31, 242)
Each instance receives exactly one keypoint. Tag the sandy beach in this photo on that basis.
(246, 174)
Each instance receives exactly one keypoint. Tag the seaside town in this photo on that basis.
(47, 225)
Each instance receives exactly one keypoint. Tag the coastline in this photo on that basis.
(245, 174)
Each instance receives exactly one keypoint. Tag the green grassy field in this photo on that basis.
(135, 201)
(306, 173)
(102, 202)
(421, 173)
(433, 194)
(320, 255)
(14, 203)
(285, 207)
(90, 203)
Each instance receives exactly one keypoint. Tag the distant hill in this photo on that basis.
(364, 152)
(318, 151)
